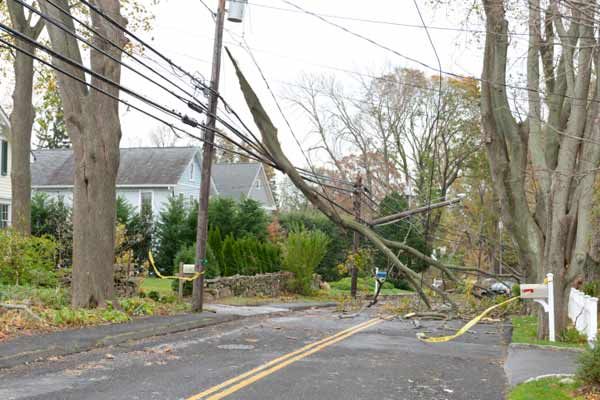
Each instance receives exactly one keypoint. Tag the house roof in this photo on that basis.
(138, 166)
(235, 180)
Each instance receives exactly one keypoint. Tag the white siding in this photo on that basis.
(5, 186)
(190, 188)
(260, 191)
(160, 196)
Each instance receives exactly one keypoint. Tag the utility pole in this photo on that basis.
(356, 242)
(207, 160)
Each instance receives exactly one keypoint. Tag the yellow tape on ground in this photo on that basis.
(421, 336)
(181, 278)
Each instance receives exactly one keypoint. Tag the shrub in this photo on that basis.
(53, 218)
(588, 366)
(303, 251)
(515, 290)
(26, 259)
(137, 306)
(591, 288)
(572, 335)
(171, 233)
(154, 295)
(340, 240)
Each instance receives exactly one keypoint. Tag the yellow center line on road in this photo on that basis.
(281, 362)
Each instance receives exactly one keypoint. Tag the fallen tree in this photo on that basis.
(271, 142)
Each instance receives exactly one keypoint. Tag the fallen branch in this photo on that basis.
(429, 315)
(23, 308)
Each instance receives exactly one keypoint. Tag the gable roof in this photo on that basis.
(235, 180)
(138, 166)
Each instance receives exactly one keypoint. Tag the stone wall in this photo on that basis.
(268, 285)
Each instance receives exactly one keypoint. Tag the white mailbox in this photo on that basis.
(544, 295)
(534, 291)
(189, 269)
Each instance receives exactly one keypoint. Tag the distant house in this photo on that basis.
(5, 185)
(244, 180)
(149, 176)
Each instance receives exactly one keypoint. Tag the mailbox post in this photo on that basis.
(379, 275)
(544, 295)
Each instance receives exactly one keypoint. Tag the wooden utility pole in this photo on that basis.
(207, 160)
(356, 242)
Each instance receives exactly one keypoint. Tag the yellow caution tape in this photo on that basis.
(421, 336)
(181, 278)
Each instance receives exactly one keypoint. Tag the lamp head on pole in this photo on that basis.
(236, 10)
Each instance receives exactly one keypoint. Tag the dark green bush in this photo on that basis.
(154, 295)
(572, 335)
(52, 217)
(588, 366)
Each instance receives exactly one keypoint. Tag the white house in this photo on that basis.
(5, 186)
(150, 175)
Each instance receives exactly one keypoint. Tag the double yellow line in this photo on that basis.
(247, 378)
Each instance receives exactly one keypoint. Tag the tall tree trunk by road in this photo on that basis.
(557, 155)
(93, 124)
(21, 120)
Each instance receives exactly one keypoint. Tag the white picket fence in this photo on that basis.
(583, 311)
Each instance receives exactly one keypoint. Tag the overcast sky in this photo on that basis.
(288, 43)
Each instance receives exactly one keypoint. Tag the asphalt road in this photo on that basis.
(382, 361)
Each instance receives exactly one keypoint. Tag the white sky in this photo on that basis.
(289, 44)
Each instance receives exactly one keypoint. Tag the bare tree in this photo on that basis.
(22, 116)
(93, 124)
(163, 136)
(271, 142)
(544, 168)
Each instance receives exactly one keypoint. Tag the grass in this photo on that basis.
(53, 307)
(547, 389)
(525, 331)
(365, 285)
(162, 286)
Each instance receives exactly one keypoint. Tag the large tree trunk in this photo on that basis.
(93, 124)
(556, 157)
(21, 120)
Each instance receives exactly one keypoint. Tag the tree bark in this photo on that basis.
(21, 120)
(93, 124)
(21, 123)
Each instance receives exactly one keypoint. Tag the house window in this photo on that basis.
(258, 184)
(146, 201)
(192, 172)
(4, 215)
(3, 157)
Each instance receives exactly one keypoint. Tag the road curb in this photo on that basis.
(545, 347)
(64, 343)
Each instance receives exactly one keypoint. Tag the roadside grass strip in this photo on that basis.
(247, 378)
(546, 389)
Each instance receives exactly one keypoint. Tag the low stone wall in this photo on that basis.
(268, 285)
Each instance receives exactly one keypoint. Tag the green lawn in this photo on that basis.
(162, 286)
(365, 285)
(525, 331)
(546, 389)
